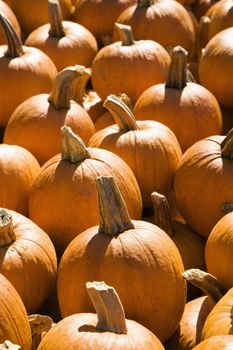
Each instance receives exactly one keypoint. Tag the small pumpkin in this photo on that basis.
(136, 256)
(41, 117)
(65, 42)
(107, 329)
(131, 59)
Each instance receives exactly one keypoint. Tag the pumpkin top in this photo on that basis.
(114, 216)
(39, 324)
(7, 234)
(227, 146)
(55, 19)
(110, 312)
(161, 210)
(125, 33)
(145, 3)
(177, 71)
(14, 43)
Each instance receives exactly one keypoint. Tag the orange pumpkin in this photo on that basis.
(69, 178)
(221, 17)
(6, 10)
(65, 42)
(24, 72)
(137, 257)
(108, 329)
(41, 117)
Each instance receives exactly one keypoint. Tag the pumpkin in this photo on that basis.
(217, 61)
(14, 324)
(24, 72)
(41, 117)
(166, 22)
(131, 59)
(32, 14)
(107, 329)
(18, 170)
(137, 257)
(27, 258)
(200, 7)
(196, 311)
(99, 16)
(221, 342)
(69, 178)
(6, 10)
(65, 42)
(149, 148)
(190, 245)
(188, 109)
(202, 182)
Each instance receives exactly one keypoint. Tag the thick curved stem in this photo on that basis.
(63, 87)
(125, 33)
(177, 70)
(162, 217)
(7, 234)
(39, 324)
(14, 43)
(114, 216)
(227, 146)
(55, 19)
(73, 148)
(110, 312)
(121, 113)
(206, 282)
(80, 84)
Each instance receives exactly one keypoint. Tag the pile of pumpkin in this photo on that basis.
(116, 165)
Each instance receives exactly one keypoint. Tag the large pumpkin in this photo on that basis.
(136, 256)
(203, 182)
(68, 180)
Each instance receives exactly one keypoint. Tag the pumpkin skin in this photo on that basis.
(202, 184)
(6, 10)
(65, 42)
(216, 343)
(14, 323)
(32, 14)
(116, 61)
(18, 169)
(63, 182)
(142, 259)
(166, 22)
(99, 16)
(216, 61)
(187, 108)
(221, 17)
(27, 260)
(41, 117)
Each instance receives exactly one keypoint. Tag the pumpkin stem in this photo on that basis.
(201, 36)
(39, 324)
(162, 217)
(177, 70)
(55, 19)
(121, 113)
(7, 234)
(227, 146)
(73, 147)
(114, 216)
(7, 345)
(15, 46)
(110, 312)
(145, 3)
(62, 87)
(206, 282)
(125, 33)
(227, 208)
(79, 85)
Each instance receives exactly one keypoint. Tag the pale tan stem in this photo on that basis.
(114, 216)
(7, 234)
(80, 84)
(62, 91)
(125, 34)
(177, 70)
(39, 324)
(162, 217)
(55, 19)
(121, 113)
(110, 312)
(73, 148)
(206, 282)
(7, 345)
(227, 146)
(14, 43)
